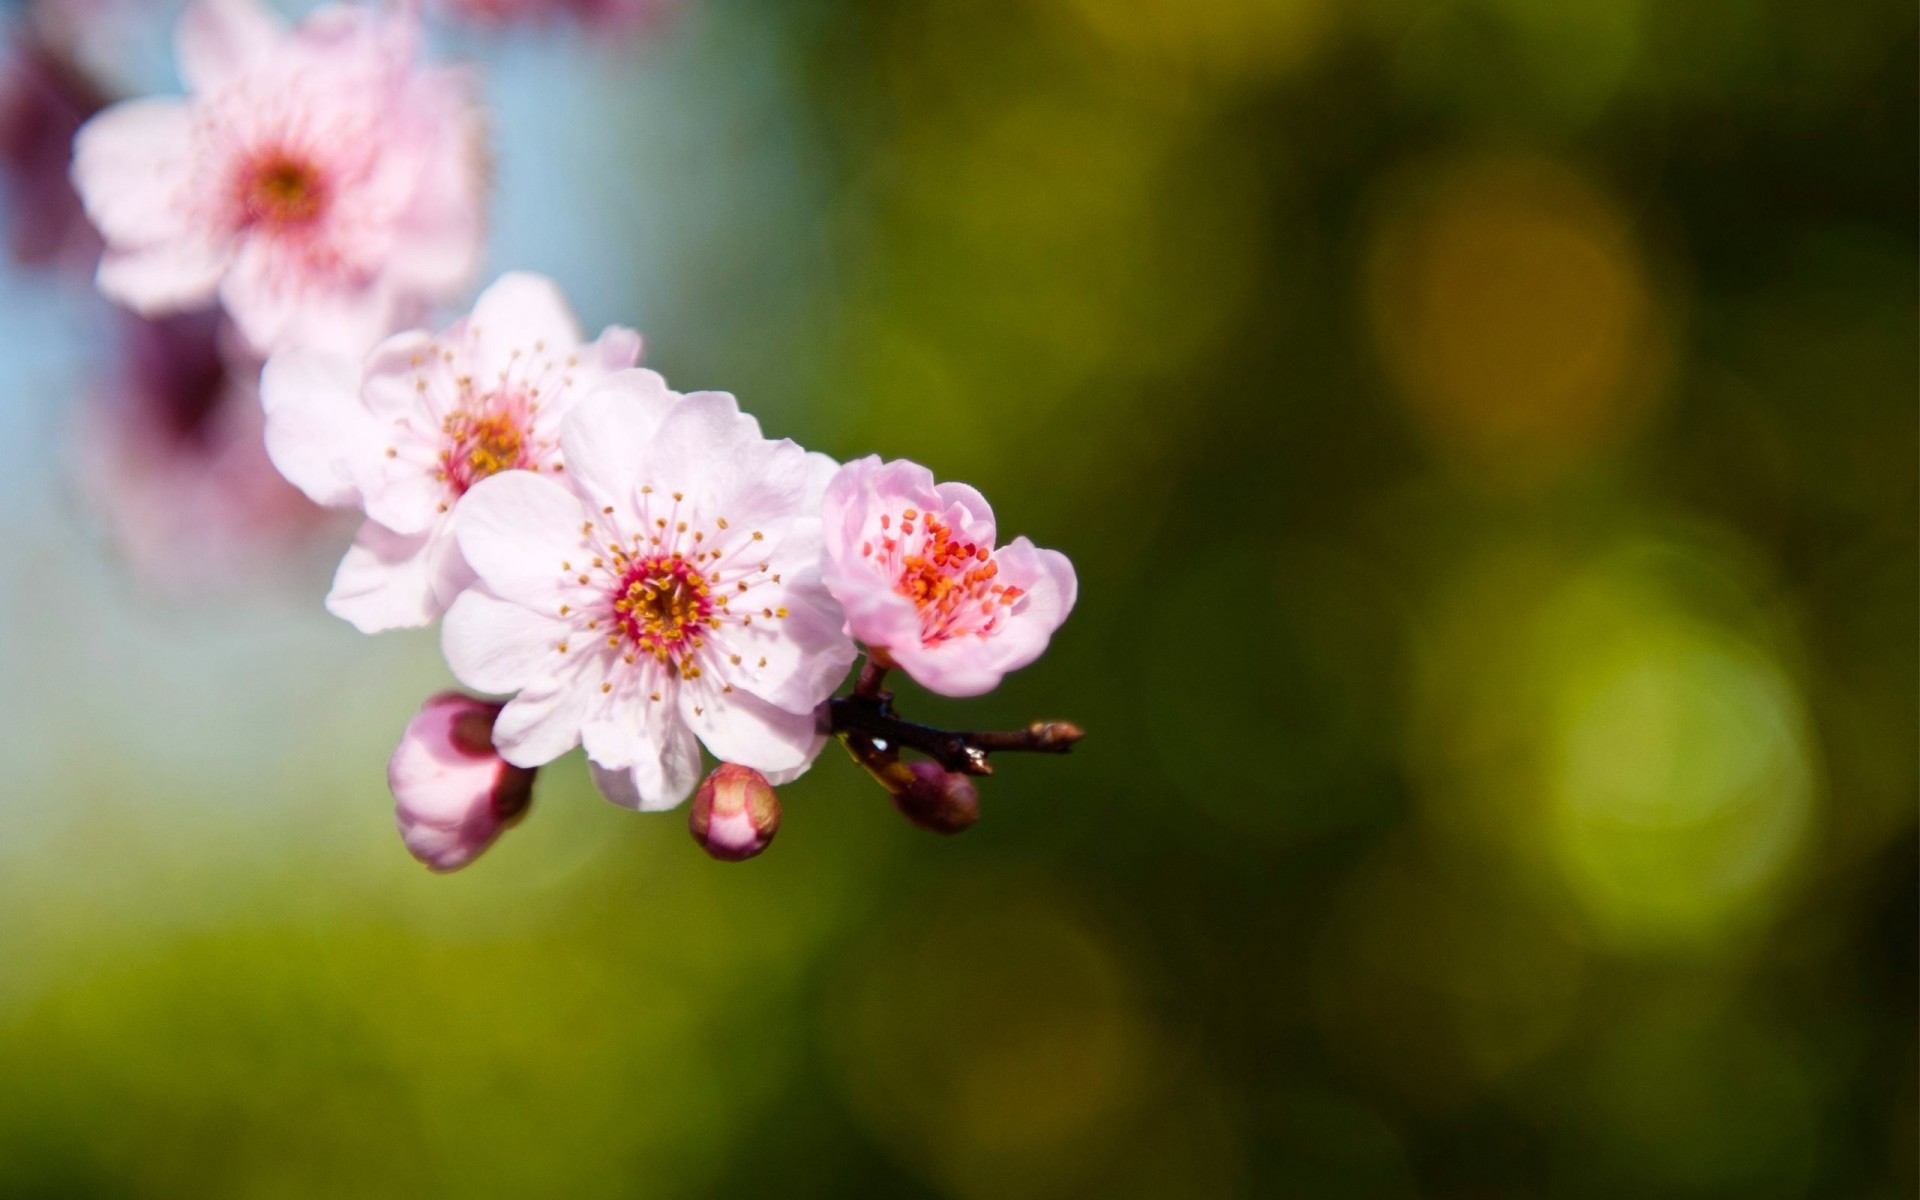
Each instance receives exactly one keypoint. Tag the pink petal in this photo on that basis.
(516, 528)
(537, 727)
(167, 277)
(697, 436)
(275, 311)
(132, 165)
(390, 580)
(217, 41)
(657, 782)
(607, 431)
(316, 427)
(807, 654)
(742, 728)
(495, 646)
(516, 312)
(1051, 589)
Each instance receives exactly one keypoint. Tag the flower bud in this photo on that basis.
(453, 794)
(938, 799)
(735, 813)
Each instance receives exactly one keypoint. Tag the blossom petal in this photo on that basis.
(391, 580)
(975, 523)
(608, 429)
(131, 166)
(168, 277)
(697, 436)
(739, 727)
(216, 41)
(806, 654)
(517, 312)
(316, 427)
(957, 667)
(1051, 589)
(654, 784)
(516, 528)
(274, 313)
(539, 725)
(495, 646)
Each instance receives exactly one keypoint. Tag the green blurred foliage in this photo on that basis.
(1485, 433)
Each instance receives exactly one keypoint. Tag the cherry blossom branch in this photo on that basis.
(866, 720)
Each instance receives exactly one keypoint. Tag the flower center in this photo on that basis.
(949, 580)
(481, 444)
(281, 190)
(664, 603)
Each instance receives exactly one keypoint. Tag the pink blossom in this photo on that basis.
(422, 421)
(600, 16)
(914, 565)
(318, 181)
(452, 794)
(668, 592)
(169, 455)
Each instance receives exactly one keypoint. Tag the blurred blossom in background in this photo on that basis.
(1485, 433)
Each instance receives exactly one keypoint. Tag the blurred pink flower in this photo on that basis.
(735, 813)
(599, 16)
(43, 100)
(453, 795)
(671, 593)
(170, 456)
(319, 181)
(404, 436)
(913, 564)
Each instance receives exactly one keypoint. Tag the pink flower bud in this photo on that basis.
(939, 800)
(453, 794)
(735, 813)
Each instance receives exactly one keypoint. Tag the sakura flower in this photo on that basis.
(669, 597)
(423, 420)
(913, 563)
(169, 457)
(452, 794)
(318, 181)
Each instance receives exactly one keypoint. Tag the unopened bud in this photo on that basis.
(938, 799)
(735, 813)
(453, 793)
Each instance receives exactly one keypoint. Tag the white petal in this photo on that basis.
(219, 40)
(403, 494)
(655, 783)
(516, 528)
(132, 165)
(496, 646)
(517, 311)
(390, 580)
(538, 726)
(392, 368)
(607, 431)
(170, 277)
(701, 436)
(807, 652)
(316, 427)
(739, 727)
(276, 308)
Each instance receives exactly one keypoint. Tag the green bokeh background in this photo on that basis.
(1485, 431)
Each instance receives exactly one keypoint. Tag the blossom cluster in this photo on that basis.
(625, 568)
(643, 572)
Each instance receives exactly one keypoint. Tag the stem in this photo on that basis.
(872, 676)
(867, 722)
